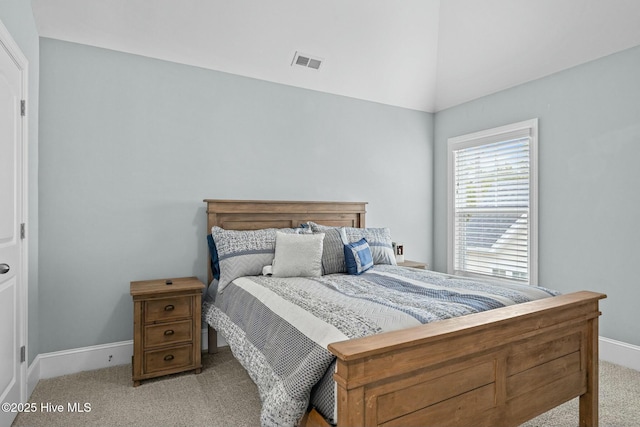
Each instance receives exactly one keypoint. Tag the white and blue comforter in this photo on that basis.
(279, 328)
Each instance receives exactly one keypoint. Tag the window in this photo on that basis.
(492, 191)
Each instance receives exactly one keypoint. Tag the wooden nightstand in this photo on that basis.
(413, 264)
(166, 327)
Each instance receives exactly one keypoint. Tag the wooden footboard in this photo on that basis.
(496, 368)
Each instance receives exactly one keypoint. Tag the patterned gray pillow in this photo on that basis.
(332, 249)
(379, 240)
(245, 252)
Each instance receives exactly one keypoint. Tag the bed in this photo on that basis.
(497, 367)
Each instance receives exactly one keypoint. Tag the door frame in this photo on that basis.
(7, 41)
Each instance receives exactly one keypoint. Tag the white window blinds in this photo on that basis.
(491, 203)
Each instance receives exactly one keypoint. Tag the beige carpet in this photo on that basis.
(224, 395)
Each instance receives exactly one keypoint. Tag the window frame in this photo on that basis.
(484, 137)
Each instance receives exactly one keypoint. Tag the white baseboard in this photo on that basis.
(49, 365)
(55, 364)
(33, 375)
(84, 359)
(620, 353)
(205, 340)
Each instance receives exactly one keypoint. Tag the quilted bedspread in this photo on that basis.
(279, 328)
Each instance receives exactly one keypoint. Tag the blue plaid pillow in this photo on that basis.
(358, 257)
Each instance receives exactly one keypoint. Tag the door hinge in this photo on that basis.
(23, 231)
(23, 108)
(23, 354)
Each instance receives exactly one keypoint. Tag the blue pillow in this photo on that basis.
(357, 257)
(215, 262)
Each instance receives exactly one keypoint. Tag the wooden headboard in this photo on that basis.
(257, 214)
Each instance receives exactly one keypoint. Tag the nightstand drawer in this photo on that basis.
(167, 309)
(167, 333)
(165, 359)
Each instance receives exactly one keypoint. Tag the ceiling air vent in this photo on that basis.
(307, 61)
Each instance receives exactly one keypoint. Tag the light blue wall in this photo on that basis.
(589, 136)
(131, 146)
(17, 17)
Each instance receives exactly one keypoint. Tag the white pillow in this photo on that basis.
(298, 255)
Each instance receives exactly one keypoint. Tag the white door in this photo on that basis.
(11, 254)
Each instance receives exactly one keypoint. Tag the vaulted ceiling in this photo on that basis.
(425, 55)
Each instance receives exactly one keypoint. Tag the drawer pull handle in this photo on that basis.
(169, 332)
(168, 307)
(168, 357)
